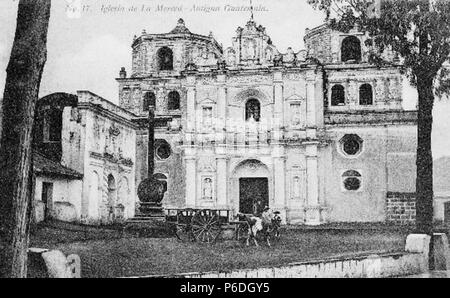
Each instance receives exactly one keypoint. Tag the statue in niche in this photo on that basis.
(296, 186)
(290, 56)
(296, 114)
(269, 55)
(251, 50)
(253, 114)
(207, 188)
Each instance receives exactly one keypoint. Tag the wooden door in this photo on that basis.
(253, 195)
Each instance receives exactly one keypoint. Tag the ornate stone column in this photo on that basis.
(222, 100)
(312, 180)
(221, 123)
(191, 181)
(279, 174)
(221, 178)
(310, 109)
(319, 101)
(380, 93)
(396, 87)
(310, 106)
(353, 94)
(191, 93)
(278, 98)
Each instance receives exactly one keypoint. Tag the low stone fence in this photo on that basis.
(371, 266)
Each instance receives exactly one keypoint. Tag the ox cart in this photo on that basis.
(204, 225)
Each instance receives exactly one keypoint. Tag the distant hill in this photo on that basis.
(441, 174)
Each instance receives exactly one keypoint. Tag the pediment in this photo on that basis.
(295, 97)
(207, 101)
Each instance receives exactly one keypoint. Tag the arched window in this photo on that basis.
(365, 95)
(351, 180)
(162, 178)
(253, 110)
(149, 100)
(173, 101)
(94, 191)
(351, 49)
(111, 182)
(337, 95)
(165, 59)
(52, 127)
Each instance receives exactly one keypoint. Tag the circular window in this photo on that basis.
(351, 145)
(163, 151)
(351, 180)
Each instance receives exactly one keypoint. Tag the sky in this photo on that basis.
(90, 40)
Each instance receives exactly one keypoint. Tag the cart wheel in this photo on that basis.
(242, 231)
(183, 233)
(206, 226)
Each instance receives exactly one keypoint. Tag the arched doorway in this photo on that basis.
(251, 180)
(111, 197)
(123, 199)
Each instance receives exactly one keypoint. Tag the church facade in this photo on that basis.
(319, 135)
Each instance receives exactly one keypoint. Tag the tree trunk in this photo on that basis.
(24, 72)
(151, 141)
(424, 159)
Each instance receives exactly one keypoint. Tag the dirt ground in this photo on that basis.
(109, 254)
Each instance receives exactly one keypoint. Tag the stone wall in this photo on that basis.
(368, 266)
(99, 141)
(401, 207)
(385, 162)
(439, 207)
(65, 201)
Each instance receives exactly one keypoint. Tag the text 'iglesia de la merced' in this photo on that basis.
(319, 135)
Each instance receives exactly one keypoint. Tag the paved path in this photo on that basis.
(431, 274)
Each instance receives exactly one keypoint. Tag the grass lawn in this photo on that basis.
(117, 257)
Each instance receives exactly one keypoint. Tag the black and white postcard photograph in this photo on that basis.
(220, 146)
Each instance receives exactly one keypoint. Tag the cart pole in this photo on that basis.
(151, 140)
